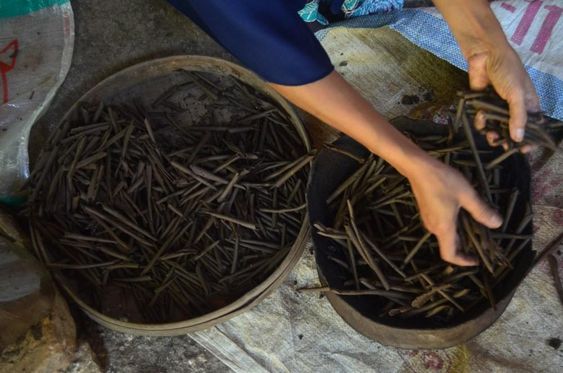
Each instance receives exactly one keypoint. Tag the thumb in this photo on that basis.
(479, 210)
(478, 75)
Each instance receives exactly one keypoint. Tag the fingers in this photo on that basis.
(479, 210)
(449, 248)
(514, 85)
(492, 138)
(478, 75)
(523, 101)
(480, 121)
(518, 116)
(527, 148)
(519, 105)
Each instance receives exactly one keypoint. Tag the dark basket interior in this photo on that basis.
(330, 169)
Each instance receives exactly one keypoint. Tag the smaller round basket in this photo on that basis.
(330, 169)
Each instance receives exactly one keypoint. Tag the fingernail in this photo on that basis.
(519, 134)
(496, 220)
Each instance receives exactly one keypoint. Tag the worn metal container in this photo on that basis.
(142, 83)
(330, 169)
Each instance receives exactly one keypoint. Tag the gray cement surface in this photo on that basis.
(135, 354)
(111, 35)
(114, 34)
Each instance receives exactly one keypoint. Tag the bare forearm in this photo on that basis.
(439, 190)
(473, 24)
(337, 103)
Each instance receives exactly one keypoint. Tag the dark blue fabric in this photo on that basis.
(267, 36)
(335, 6)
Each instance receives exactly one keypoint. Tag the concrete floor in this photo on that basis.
(111, 35)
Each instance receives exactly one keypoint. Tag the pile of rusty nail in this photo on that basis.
(177, 220)
(384, 249)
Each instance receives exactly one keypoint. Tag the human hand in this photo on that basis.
(491, 60)
(503, 69)
(440, 191)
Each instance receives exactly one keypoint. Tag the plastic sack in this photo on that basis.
(36, 42)
(26, 290)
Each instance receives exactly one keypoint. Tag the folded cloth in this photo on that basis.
(355, 8)
(313, 11)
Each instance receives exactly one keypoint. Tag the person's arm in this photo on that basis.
(439, 190)
(491, 59)
(269, 38)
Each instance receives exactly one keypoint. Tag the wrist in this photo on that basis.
(404, 155)
(422, 166)
(474, 26)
